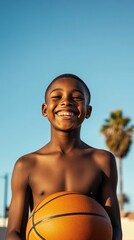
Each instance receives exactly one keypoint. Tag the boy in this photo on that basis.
(66, 163)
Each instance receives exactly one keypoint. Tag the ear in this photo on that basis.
(44, 109)
(89, 110)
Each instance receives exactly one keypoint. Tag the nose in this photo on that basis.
(66, 102)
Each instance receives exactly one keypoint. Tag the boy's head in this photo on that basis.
(68, 75)
(67, 101)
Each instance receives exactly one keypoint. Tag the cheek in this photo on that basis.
(51, 110)
(83, 114)
(50, 106)
(83, 109)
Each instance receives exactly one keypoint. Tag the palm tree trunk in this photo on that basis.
(121, 202)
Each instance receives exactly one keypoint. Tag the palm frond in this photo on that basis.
(117, 133)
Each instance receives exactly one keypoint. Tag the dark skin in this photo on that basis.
(66, 163)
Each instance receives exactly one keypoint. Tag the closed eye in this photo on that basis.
(56, 97)
(78, 98)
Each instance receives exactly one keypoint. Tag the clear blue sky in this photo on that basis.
(40, 39)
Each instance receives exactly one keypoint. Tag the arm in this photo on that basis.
(18, 211)
(108, 194)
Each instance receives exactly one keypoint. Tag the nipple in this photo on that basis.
(42, 193)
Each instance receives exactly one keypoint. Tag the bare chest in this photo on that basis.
(55, 176)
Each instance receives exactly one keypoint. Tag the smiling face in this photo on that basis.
(66, 104)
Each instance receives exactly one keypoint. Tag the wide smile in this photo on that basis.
(66, 114)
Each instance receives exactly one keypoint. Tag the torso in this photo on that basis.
(55, 172)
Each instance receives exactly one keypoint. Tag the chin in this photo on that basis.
(68, 129)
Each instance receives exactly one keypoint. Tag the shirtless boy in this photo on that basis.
(66, 163)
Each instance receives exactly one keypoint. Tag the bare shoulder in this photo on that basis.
(105, 160)
(23, 166)
(104, 155)
(25, 161)
(28, 161)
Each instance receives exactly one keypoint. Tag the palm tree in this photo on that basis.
(118, 136)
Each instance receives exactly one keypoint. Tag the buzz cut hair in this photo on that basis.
(69, 75)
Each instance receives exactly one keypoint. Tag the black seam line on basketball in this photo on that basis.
(33, 228)
(70, 214)
(51, 201)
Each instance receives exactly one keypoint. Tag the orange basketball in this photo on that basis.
(69, 216)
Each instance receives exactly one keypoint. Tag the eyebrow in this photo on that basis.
(60, 89)
(56, 89)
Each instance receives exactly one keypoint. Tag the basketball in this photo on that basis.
(69, 216)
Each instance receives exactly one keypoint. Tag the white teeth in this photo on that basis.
(65, 114)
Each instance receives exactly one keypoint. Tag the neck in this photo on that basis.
(65, 141)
